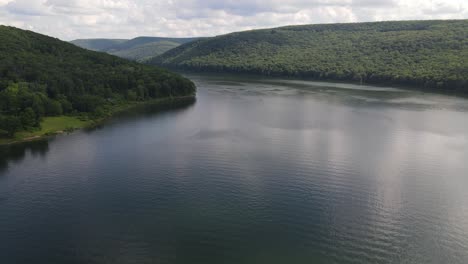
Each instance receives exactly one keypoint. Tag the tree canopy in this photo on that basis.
(138, 49)
(42, 76)
(432, 54)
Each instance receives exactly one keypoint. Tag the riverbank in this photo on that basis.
(51, 126)
(252, 77)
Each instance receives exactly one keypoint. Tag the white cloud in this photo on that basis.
(4, 2)
(443, 7)
(69, 19)
(27, 8)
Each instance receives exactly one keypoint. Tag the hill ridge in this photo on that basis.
(424, 53)
(139, 48)
(41, 76)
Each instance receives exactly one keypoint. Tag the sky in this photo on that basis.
(73, 19)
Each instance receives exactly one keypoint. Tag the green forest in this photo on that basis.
(144, 52)
(425, 54)
(138, 49)
(42, 77)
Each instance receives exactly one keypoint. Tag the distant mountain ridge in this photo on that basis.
(139, 49)
(430, 54)
(97, 44)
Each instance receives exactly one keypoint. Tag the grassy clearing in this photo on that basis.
(60, 124)
(56, 124)
(49, 126)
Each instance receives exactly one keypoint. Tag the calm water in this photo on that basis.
(256, 171)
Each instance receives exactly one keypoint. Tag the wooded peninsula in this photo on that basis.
(43, 77)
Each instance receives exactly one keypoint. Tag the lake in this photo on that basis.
(256, 171)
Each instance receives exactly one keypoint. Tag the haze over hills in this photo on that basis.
(415, 53)
(97, 44)
(42, 76)
(138, 49)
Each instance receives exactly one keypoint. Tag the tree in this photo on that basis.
(53, 108)
(10, 124)
(28, 118)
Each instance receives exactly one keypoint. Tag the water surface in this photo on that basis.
(256, 171)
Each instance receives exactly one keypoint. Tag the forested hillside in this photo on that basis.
(415, 53)
(98, 44)
(138, 49)
(144, 52)
(42, 76)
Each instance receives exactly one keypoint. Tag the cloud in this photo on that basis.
(4, 2)
(70, 19)
(442, 7)
(373, 3)
(27, 8)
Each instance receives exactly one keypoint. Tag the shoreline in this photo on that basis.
(91, 123)
(410, 87)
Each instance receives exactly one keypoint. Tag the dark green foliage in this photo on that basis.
(10, 124)
(148, 40)
(29, 118)
(432, 54)
(138, 49)
(54, 108)
(42, 76)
